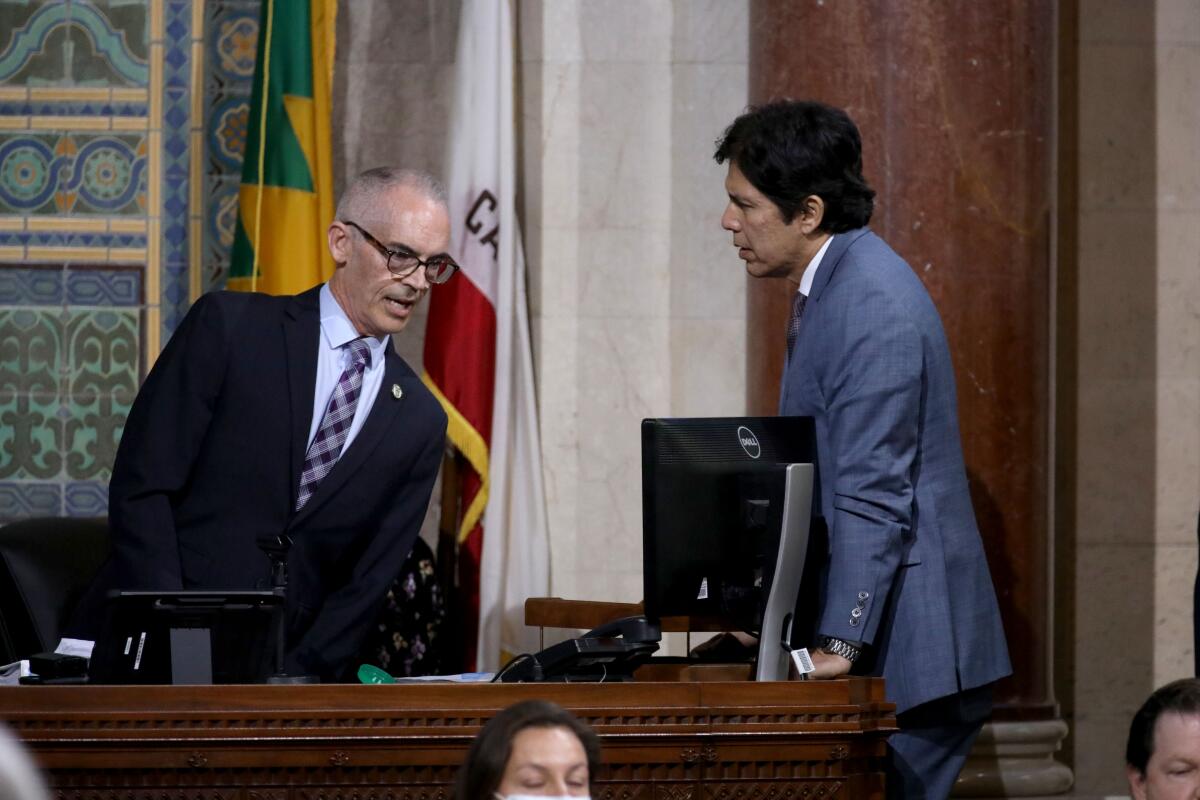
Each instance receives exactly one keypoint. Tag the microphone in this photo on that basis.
(277, 546)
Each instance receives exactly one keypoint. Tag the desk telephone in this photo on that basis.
(608, 653)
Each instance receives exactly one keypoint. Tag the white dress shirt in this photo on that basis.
(810, 272)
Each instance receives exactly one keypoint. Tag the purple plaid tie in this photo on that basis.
(335, 425)
(793, 328)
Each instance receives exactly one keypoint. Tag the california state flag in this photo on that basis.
(477, 355)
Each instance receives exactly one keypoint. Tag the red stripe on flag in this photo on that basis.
(460, 350)
(460, 359)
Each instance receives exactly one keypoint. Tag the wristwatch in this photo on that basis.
(841, 648)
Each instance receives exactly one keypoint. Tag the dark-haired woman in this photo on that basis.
(534, 748)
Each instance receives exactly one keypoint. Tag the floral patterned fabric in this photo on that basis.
(404, 642)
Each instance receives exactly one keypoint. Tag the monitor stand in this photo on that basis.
(191, 656)
(774, 644)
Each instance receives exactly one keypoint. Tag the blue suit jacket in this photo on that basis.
(906, 571)
(211, 458)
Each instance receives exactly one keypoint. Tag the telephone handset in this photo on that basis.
(610, 652)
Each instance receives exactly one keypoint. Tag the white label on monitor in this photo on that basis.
(703, 593)
(137, 660)
(803, 661)
(128, 644)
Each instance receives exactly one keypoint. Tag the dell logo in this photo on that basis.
(749, 442)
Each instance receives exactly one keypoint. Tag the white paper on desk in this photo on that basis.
(11, 674)
(75, 647)
(465, 677)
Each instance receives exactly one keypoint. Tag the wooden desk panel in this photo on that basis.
(666, 741)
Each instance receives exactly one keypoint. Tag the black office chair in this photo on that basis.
(45, 566)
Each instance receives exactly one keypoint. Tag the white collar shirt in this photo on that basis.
(810, 272)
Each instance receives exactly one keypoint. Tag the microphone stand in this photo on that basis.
(277, 547)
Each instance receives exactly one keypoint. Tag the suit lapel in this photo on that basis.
(384, 410)
(831, 260)
(829, 264)
(301, 327)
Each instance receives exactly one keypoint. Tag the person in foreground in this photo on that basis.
(534, 748)
(291, 415)
(1162, 754)
(905, 590)
(19, 776)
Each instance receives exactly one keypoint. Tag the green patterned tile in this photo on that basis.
(102, 351)
(93, 431)
(31, 351)
(21, 47)
(102, 381)
(31, 434)
(31, 382)
(82, 43)
(72, 172)
(128, 18)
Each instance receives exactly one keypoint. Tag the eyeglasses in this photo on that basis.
(402, 263)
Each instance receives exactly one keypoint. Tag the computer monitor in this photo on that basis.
(725, 531)
(186, 637)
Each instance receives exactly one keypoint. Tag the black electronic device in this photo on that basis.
(57, 666)
(186, 637)
(277, 546)
(55, 669)
(605, 654)
(726, 508)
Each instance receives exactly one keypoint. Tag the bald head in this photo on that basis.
(362, 198)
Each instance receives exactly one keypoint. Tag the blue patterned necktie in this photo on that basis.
(335, 425)
(793, 328)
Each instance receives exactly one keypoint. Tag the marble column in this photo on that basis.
(956, 104)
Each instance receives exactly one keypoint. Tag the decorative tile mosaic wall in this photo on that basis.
(231, 42)
(121, 129)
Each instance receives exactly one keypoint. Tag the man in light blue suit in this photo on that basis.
(905, 590)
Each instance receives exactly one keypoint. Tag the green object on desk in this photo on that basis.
(369, 673)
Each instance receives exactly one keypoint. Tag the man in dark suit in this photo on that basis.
(292, 415)
(905, 592)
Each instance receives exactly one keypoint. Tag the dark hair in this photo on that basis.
(480, 775)
(1181, 696)
(790, 149)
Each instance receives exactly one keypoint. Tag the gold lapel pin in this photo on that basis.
(397, 392)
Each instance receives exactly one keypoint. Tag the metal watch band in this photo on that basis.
(841, 648)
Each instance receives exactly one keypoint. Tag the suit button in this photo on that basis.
(854, 622)
(863, 595)
(856, 613)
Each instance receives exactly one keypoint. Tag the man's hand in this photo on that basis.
(827, 665)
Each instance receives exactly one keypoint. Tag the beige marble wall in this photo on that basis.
(637, 299)
(1138, 402)
(393, 86)
(393, 82)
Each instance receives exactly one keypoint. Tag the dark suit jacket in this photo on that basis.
(906, 571)
(211, 457)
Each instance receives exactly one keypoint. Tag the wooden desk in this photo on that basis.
(662, 741)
